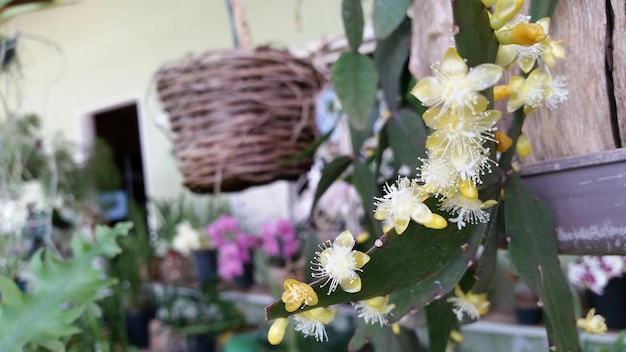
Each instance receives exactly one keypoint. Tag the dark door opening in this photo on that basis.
(119, 128)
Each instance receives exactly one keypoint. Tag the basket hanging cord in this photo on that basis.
(239, 26)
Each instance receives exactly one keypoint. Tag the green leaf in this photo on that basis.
(441, 319)
(475, 40)
(388, 14)
(489, 257)
(352, 14)
(40, 317)
(541, 8)
(365, 183)
(355, 80)
(417, 256)
(330, 174)
(407, 138)
(448, 275)
(533, 252)
(363, 334)
(390, 59)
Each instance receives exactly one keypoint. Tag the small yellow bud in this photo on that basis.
(500, 92)
(456, 336)
(502, 193)
(395, 327)
(525, 34)
(438, 222)
(504, 142)
(505, 10)
(276, 333)
(362, 237)
(468, 189)
(488, 204)
(523, 147)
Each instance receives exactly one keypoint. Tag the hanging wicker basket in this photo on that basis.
(238, 116)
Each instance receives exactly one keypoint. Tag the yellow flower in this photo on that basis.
(467, 210)
(311, 322)
(454, 86)
(537, 89)
(374, 310)
(340, 264)
(551, 50)
(276, 333)
(402, 203)
(593, 323)
(459, 134)
(472, 304)
(296, 294)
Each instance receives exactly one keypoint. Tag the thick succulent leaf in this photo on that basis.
(541, 8)
(330, 174)
(39, 317)
(390, 59)
(352, 14)
(381, 338)
(355, 80)
(388, 14)
(407, 138)
(363, 334)
(443, 281)
(475, 40)
(533, 252)
(417, 256)
(441, 320)
(489, 257)
(365, 183)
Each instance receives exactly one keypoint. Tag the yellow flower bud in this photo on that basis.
(362, 237)
(456, 336)
(505, 10)
(525, 34)
(395, 327)
(500, 92)
(276, 333)
(523, 146)
(504, 142)
(438, 222)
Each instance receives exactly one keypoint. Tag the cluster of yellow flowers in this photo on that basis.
(458, 153)
(458, 156)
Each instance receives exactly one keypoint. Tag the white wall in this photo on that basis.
(112, 48)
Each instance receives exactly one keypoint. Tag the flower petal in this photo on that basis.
(452, 63)
(344, 240)
(421, 213)
(438, 222)
(360, 258)
(506, 55)
(427, 90)
(484, 76)
(400, 225)
(351, 285)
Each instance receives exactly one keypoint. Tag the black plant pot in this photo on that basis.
(137, 329)
(612, 304)
(528, 315)
(205, 266)
(201, 343)
(245, 280)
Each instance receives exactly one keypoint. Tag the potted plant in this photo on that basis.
(234, 250)
(602, 279)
